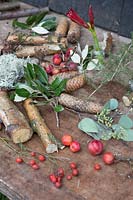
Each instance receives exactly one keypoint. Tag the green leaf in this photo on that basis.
(41, 74)
(31, 71)
(21, 25)
(126, 122)
(58, 108)
(39, 17)
(30, 20)
(22, 92)
(49, 25)
(55, 83)
(60, 88)
(42, 88)
(112, 104)
(129, 137)
(88, 125)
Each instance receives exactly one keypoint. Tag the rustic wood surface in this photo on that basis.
(21, 182)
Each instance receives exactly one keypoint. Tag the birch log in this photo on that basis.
(14, 121)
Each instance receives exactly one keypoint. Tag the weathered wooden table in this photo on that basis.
(21, 182)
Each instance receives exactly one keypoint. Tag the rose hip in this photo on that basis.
(32, 162)
(58, 184)
(69, 177)
(60, 172)
(19, 160)
(75, 172)
(52, 178)
(97, 166)
(33, 153)
(35, 166)
(41, 158)
(73, 165)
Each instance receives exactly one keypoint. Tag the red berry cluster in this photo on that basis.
(57, 177)
(60, 63)
(33, 162)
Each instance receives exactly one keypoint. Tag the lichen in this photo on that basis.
(11, 70)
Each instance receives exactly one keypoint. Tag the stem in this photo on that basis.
(96, 42)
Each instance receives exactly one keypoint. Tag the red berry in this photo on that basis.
(33, 153)
(95, 147)
(58, 184)
(41, 158)
(57, 59)
(108, 158)
(66, 139)
(32, 162)
(19, 160)
(60, 172)
(59, 179)
(72, 66)
(35, 166)
(75, 172)
(73, 165)
(75, 146)
(52, 178)
(49, 69)
(69, 177)
(55, 71)
(97, 166)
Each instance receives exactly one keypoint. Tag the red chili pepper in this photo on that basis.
(91, 16)
(76, 18)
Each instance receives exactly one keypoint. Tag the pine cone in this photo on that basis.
(75, 83)
(79, 104)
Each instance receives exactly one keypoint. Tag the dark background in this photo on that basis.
(113, 15)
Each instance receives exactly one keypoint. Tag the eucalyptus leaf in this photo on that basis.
(112, 104)
(58, 108)
(129, 137)
(126, 122)
(88, 125)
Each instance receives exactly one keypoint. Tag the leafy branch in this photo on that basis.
(36, 85)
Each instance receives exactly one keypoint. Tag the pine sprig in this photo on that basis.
(116, 64)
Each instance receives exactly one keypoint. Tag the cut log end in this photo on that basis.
(21, 136)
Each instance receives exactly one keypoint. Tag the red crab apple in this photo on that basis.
(108, 158)
(57, 59)
(75, 146)
(66, 140)
(95, 147)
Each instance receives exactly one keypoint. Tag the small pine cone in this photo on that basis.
(73, 33)
(75, 83)
(79, 104)
(64, 75)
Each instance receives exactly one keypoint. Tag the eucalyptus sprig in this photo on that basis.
(35, 85)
